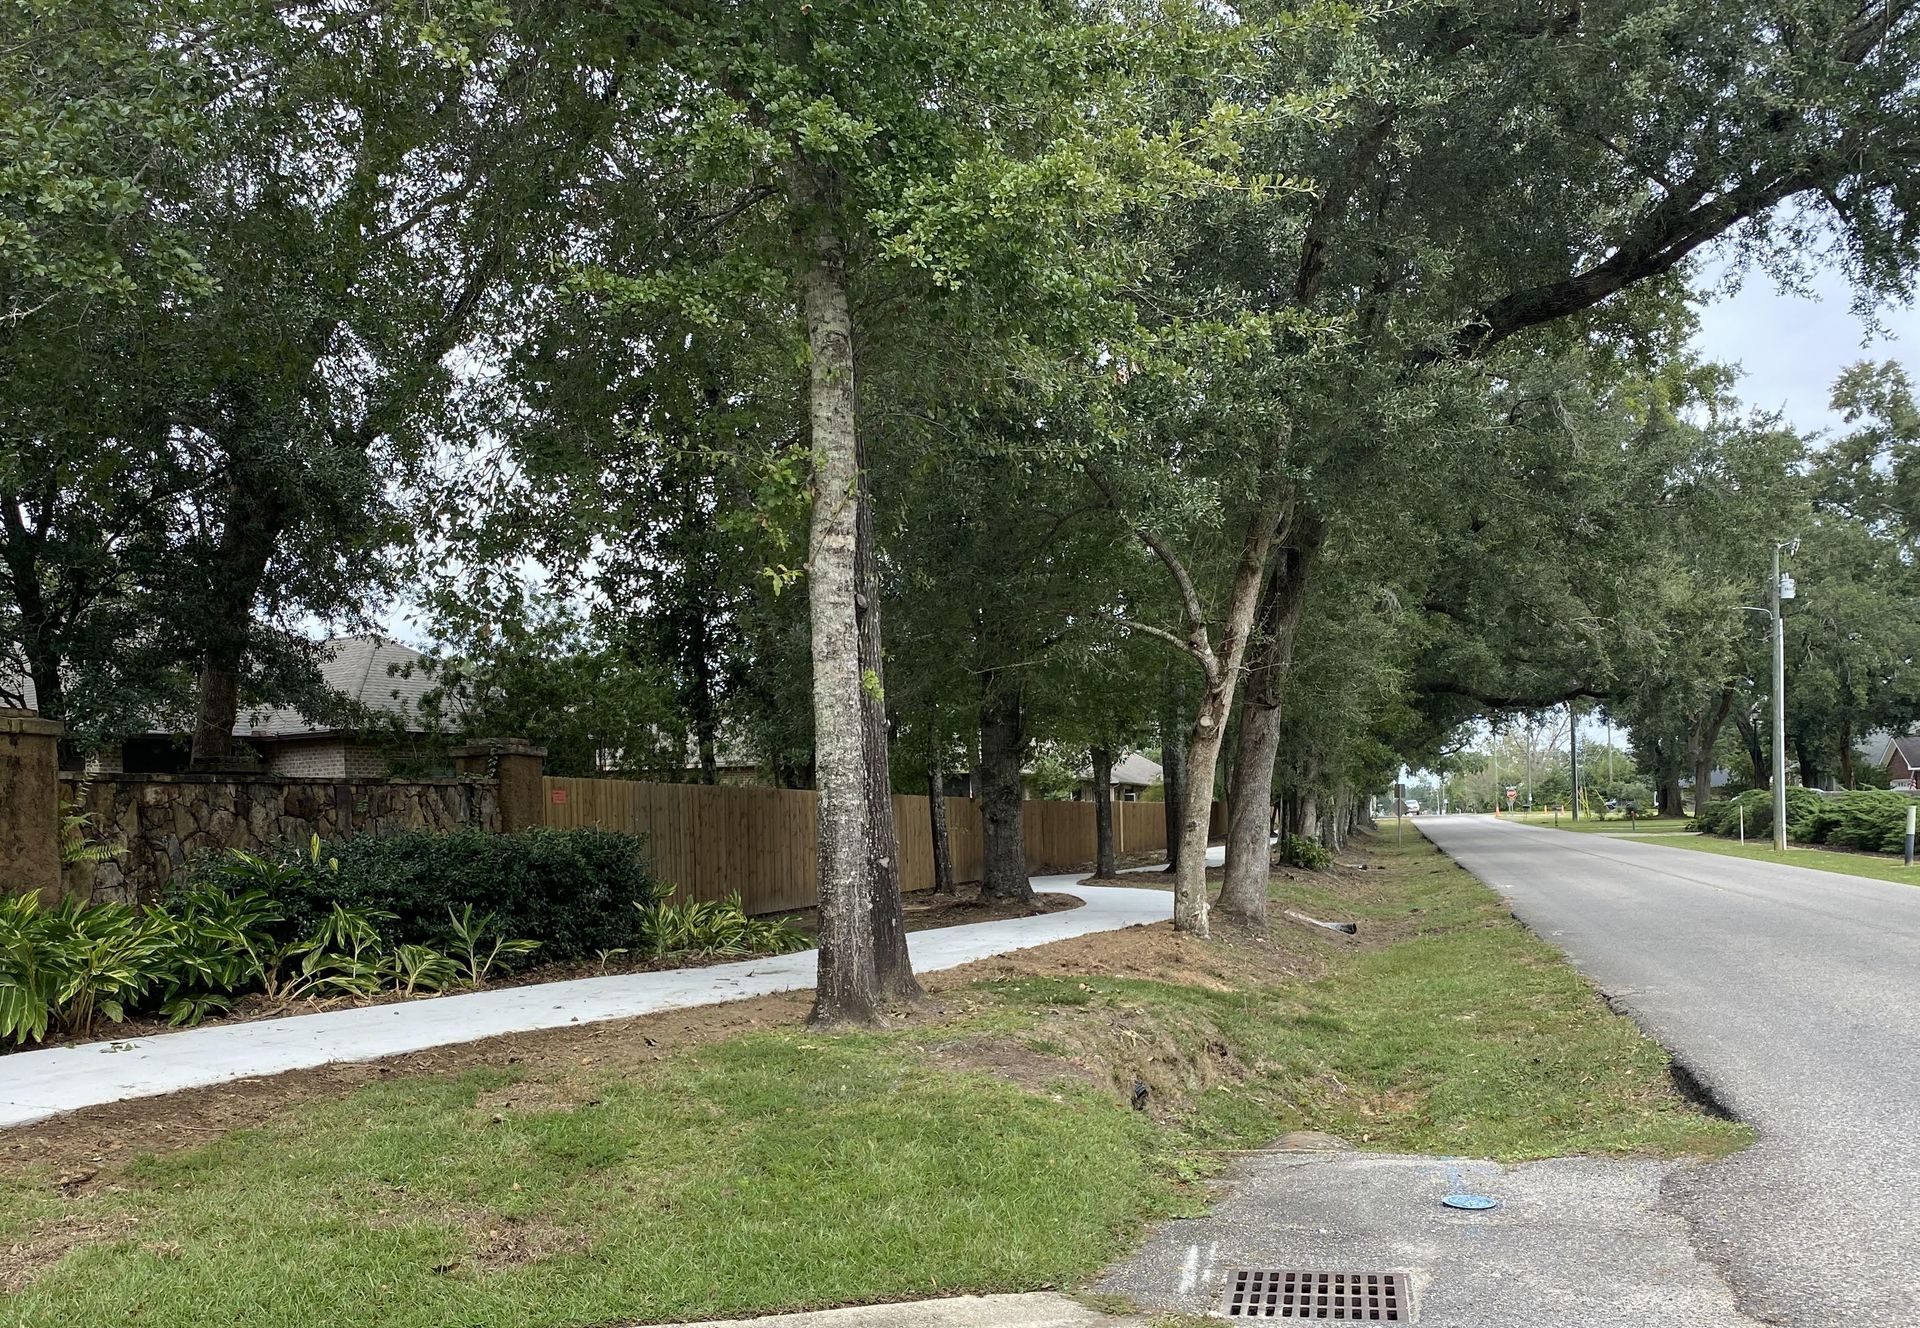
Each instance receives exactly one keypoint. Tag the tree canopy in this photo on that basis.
(873, 390)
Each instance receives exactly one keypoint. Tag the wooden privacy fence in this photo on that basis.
(716, 840)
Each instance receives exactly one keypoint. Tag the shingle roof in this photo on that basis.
(1133, 770)
(381, 675)
(1909, 749)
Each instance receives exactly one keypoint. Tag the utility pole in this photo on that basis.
(1779, 715)
(1533, 732)
(1573, 755)
(1772, 610)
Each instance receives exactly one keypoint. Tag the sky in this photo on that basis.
(1791, 346)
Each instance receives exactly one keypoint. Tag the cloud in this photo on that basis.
(1792, 346)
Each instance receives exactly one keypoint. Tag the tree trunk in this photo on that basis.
(1809, 764)
(1756, 749)
(1846, 755)
(942, 841)
(1309, 827)
(1700, 744)
(1103, 860)
(847, 990)
(50, 702)
(1243, 895)
(254, 522)
(1667, 797)
(1003, 874)
(1173, 759)
(893, 968)
(1221, 666)
(49, 688)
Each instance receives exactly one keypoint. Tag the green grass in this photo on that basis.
(780, 1171)
(1611, 825)
(1816, 856)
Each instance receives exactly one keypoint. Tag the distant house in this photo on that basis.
(1902, 759)
(1133, 774)
(381, 679)
(375, 678)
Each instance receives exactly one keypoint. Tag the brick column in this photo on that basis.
(516, 768)
(30, 803)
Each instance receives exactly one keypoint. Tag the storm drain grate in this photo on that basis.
(1266, 1293)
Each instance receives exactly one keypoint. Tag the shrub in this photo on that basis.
(1871, 819)
(479, 944)
(699, 926)
(573, 891)
(63, 967)
(1807, 816)
(1723, 817)
(66, 967)
(1300, 851)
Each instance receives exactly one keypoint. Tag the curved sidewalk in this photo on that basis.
(38, 1084)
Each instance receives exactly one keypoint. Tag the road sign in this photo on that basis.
(1512, 793)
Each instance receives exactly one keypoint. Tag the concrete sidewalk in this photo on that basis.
(38, 1084)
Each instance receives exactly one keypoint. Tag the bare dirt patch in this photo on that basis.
(1019, 1063)
(1155, 952)
(24, 1258)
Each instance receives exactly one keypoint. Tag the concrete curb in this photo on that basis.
(1035, 1309)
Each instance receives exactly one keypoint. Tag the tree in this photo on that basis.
(101, 132)
(945, 151)
(371, 188)
(1665, 134)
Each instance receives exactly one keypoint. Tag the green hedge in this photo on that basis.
(574, 891)
(1871, 819)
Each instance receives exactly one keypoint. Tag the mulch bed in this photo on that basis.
(923, 911)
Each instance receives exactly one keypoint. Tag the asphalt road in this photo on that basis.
(1795, 996)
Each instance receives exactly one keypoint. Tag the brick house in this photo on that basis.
(380, 677)
(1902, 759)
(372, 676)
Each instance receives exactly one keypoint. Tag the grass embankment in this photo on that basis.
(1612, 825)
(1841, 861)
(986, 1145)
(1677, 832)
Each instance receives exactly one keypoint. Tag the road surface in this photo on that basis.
(1794, 995)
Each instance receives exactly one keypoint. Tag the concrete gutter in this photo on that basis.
(1037, 1309)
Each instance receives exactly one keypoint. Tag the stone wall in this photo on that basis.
(164, 821)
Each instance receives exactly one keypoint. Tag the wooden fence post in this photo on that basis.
(30, 803)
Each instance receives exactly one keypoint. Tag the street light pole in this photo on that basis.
(1779, 715)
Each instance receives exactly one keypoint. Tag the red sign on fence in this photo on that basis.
(559, 797)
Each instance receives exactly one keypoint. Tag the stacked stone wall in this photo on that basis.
(162, 822)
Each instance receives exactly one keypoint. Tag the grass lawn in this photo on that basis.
(986, 1145)
(1817, 856)
(1611, 825)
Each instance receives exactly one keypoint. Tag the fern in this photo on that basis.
(75, 828)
